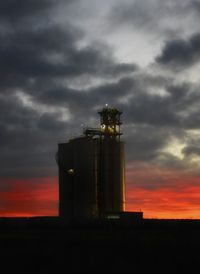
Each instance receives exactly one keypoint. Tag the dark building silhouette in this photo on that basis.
(91, 171)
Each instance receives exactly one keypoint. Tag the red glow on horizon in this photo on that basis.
(29, 197)
(165, 203)
(162, 193)
(39, 197)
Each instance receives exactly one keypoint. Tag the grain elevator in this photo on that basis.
(91, 171)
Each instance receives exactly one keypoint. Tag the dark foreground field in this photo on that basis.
(151, 246)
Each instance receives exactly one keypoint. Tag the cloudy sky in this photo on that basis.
(63, 60)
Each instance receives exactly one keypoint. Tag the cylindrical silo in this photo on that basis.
(78, 179)
(111, 175)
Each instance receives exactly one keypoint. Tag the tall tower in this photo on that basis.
(111, 162)
(91, 171)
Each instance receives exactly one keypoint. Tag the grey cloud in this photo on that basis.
(151, 15)
(177, 108)
(51, 123)
(14, 10)
(28, 140)
(26, 13)
(191, 150)
(51, 53)
(152, 120)
(144, 142)
(39, 60)
(39, 143)
(181, 53)
(155, 119)
(195, 5)
(192, 121)
(171, 161)
(14, 115)
(32, 52)
(25, 53)
(77, 100)
(30, 152)
(155, 110)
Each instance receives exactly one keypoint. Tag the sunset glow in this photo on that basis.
(163, 194)
(30, 197)
(165, 203)
(39, 197)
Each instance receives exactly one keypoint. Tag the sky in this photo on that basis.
(63, 60)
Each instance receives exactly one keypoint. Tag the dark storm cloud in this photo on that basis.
(160, 110)
(195, 4)
(152, 110)
(131, 94)
(26, 144)
(15, 13)
(153, 15)
(152, 121)
(144, 142)
(36, 58)
(138, 13)
(100, 95)
(13, 10)
(39, 61)
(29, 53)
(14, 116)
(191, 150)
(181, 53)
(25, 53)
(30, 50)
(50, 53)
(192, 121)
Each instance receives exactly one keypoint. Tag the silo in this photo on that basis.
(77, 161)
(112, 176)
(66, 185)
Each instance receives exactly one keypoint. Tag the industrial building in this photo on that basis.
(91, 171)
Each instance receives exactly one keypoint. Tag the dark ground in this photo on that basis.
(43, 245)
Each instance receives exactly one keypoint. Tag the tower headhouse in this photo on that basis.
(110, 122)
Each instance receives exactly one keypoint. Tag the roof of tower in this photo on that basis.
(110, 110)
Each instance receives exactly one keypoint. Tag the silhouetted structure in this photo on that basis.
(91, 171)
